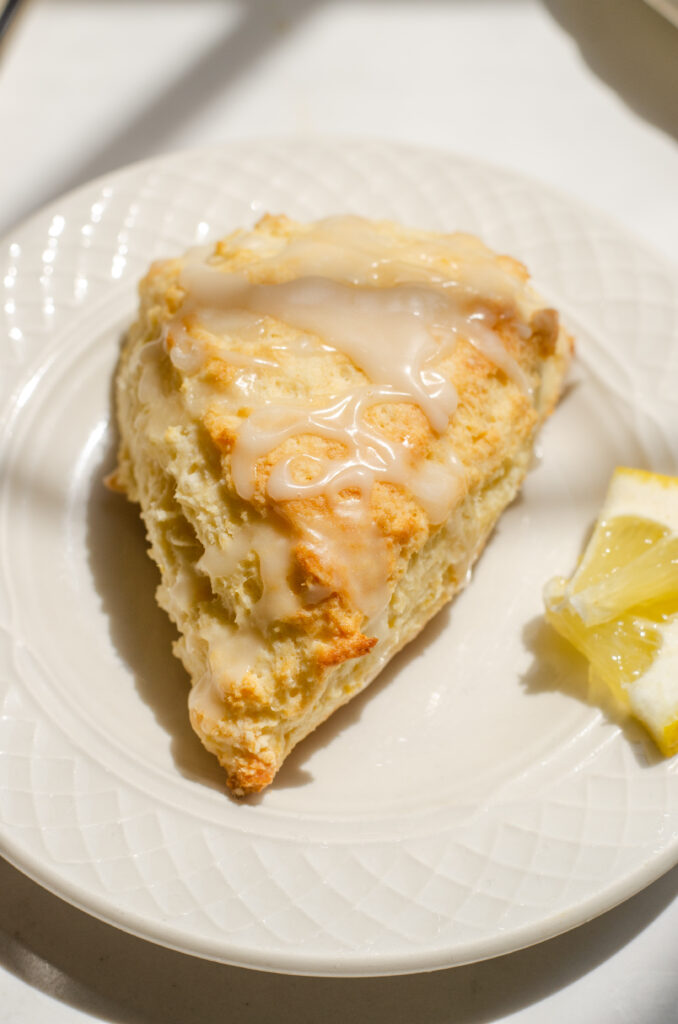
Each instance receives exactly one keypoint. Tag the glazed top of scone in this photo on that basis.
(347, 373)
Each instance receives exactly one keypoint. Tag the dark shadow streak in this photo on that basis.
(631, 48)
(104, 972)
(8, 10)
(231, 54)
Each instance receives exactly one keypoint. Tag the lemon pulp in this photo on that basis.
(620, 608)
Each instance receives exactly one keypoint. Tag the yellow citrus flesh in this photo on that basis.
(634, 561)
(620, 608)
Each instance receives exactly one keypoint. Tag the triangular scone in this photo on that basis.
(322, 423)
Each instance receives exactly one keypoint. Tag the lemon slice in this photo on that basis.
(620, 608)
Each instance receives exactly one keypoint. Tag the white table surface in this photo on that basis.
(582, 94)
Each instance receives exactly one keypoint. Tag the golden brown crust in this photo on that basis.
(176, 460)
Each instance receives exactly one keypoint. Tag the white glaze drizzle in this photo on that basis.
(270, 543)
(391, 311)
(393, 334)
(369, 455)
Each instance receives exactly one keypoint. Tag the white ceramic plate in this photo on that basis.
(471, 801)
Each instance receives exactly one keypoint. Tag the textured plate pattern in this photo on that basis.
(472, 802)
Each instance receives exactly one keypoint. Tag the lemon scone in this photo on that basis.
(322, 423)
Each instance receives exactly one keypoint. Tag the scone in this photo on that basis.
(321, 424)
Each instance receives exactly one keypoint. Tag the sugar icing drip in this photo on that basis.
(388, 309)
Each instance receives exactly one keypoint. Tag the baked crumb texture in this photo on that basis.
(307, 513)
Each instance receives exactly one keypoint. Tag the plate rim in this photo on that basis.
(353, 965)
(349, 140)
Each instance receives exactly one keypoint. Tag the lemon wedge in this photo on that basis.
(620, 608)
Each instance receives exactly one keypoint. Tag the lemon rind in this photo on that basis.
(653, 697)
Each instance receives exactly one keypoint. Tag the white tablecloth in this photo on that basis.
(582, 94)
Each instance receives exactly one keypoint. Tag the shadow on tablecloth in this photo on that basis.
(108, 974)
(632, 49)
